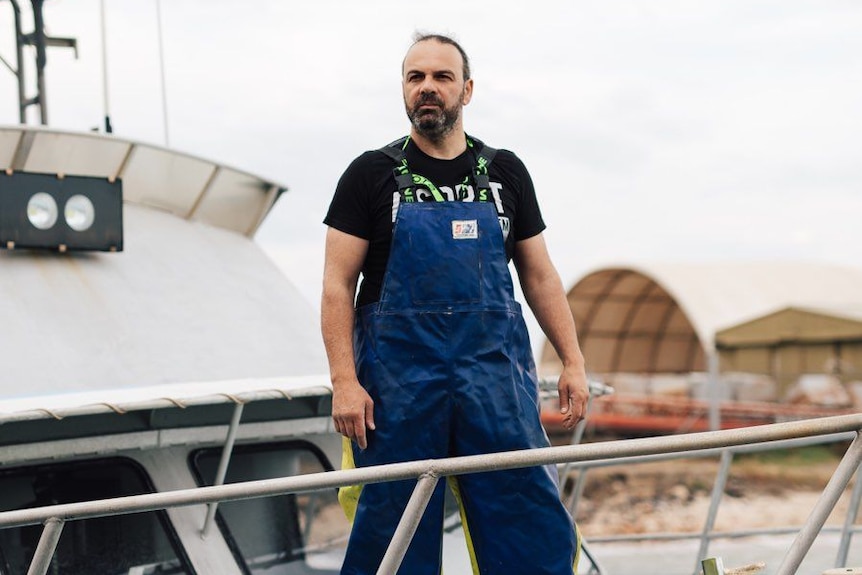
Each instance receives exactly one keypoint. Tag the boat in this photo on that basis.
(150, 345)
(185, 358)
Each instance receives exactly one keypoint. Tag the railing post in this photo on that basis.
(852, 513)
(578, 487)
(717, 492)
(577, 492)
(408, 525)
(597, 388)
(825, 504)
(46, 547)
(716, 389)
(221, 472)
(577, 435)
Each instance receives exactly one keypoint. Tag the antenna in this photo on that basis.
(162, 68)
(108, 128)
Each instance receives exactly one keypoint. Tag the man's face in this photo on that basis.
(434, 88)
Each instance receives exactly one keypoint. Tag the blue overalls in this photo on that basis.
(446, 357)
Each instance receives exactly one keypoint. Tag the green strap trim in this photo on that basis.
(402, 169)
(423, 181)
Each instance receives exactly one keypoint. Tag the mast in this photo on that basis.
(40, 41)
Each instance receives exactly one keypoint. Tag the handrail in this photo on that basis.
(435, 468)
(707, 533)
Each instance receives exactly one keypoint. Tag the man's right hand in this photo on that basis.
(352, 412)
(352, 407)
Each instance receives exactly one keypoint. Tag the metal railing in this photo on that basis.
(428, 472)
(708, 532)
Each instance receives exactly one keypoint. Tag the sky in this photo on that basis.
(655, 131)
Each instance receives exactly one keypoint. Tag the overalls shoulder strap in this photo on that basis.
(404, 178)
(395, 150)
(484, 156)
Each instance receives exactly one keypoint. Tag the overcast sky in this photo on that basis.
(670, 130)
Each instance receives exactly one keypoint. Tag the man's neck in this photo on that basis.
(449, 147)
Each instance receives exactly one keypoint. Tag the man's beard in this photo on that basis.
(433, 125)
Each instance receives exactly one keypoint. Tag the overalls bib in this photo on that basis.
(446, 357)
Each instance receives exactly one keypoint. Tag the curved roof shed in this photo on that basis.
(662, 318)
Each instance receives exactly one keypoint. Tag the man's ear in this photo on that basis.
(468, 92)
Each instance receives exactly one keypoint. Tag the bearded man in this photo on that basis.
(432, 357)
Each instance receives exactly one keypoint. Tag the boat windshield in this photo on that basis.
(293, 534)
(140, 543)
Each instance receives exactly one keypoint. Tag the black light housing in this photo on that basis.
(56, 212)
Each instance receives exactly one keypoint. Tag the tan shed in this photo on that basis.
(793, 341)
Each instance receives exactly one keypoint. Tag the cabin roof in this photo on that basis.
(184, 301)
(95, 343)
(184, 185)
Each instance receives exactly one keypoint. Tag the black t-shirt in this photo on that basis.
(367, 199)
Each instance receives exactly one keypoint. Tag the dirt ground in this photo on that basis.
(674, 496)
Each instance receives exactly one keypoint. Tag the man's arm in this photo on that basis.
(545, 295)
(352, 407)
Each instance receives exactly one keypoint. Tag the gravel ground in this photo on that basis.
(674, 496)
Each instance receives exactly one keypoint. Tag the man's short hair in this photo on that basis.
(424, 37)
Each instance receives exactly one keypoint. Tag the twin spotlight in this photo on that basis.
(55, 212)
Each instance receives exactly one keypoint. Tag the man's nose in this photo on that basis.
(428, 86)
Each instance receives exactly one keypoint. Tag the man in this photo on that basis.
(435, 359)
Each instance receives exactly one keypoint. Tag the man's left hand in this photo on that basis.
(574, 392)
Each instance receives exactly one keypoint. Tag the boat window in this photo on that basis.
(135, 544)
(294, 534)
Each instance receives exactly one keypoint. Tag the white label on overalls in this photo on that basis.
(465, 229)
